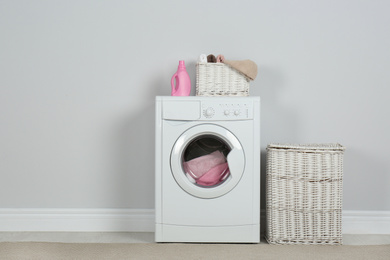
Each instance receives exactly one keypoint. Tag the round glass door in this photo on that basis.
(207, 161)
(204, 161)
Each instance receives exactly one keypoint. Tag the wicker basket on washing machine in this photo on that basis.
(304, 193)
(219, 79)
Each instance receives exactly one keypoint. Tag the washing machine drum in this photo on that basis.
(207, 161)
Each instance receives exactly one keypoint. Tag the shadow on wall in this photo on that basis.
(191, 69)
(262, 186)
(279, 123)
(368, 191)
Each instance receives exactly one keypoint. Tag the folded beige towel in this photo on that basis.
(246, 67)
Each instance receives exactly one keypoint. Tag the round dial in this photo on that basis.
(209, 112)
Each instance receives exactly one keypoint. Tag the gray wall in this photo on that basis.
(78, 81)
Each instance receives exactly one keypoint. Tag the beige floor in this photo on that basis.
(132, 237)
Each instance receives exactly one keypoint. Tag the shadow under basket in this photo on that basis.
(304, 194)
(219, 79)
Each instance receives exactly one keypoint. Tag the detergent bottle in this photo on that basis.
(183, 82)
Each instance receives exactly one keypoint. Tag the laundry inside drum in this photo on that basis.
(205, 161)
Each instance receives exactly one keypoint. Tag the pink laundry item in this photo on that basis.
(214, 175)
(220, 58)
(200, 165)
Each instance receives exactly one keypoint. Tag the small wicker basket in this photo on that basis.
(304, 193)
(219, 79)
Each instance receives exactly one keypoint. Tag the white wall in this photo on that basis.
(78, 81)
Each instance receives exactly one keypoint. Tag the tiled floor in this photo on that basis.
(132, 237)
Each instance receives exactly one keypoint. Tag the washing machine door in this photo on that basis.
(207, 161)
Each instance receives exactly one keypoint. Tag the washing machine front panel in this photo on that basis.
(207, 161)
(233, 208)
(199, 219)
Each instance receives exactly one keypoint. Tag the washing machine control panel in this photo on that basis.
(212, 110)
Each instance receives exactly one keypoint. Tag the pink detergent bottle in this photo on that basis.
(183, 82)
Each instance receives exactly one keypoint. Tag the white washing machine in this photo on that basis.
(208, 169)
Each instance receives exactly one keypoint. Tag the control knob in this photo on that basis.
(209, 112)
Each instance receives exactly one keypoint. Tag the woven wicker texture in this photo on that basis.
(218, 79)
(304, 193)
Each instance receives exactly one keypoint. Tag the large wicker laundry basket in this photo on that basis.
(219, 79)
(304, 193)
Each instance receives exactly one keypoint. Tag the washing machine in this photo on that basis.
(207, 169)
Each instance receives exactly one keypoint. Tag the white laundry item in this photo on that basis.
(202, 58)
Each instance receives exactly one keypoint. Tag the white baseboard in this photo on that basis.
(366, 222)
(86, 220)
(142, 220)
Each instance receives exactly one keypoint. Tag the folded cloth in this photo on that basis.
(220, 58)
(211, 58)
(199, 166)
(215, 175)
(202, 58)
(246, 67)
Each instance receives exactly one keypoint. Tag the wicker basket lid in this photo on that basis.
(308, 147)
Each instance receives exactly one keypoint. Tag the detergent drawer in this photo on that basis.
(185, 110)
